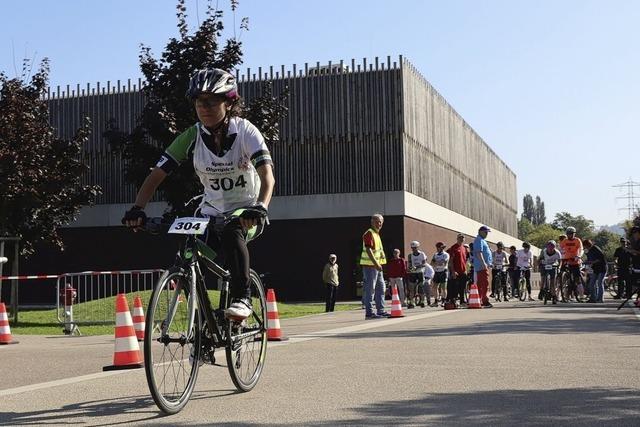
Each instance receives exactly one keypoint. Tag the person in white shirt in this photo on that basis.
(440, 261)
(416, 261)
(499, 273)
(429, 273)
(550, 259)
(525, 262)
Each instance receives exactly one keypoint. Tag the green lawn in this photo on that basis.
(44, 322)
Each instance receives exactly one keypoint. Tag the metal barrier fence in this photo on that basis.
(86, 297)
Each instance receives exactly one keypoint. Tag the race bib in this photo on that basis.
(189, 225)
(548, 267)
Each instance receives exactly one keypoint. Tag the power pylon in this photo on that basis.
(631, 196)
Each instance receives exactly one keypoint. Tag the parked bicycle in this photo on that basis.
(185, 327)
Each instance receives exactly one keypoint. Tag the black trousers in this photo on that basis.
(331, 297)
(230, 243)
(499, 282)
(456, 287)
(623, 279)
(633, 282)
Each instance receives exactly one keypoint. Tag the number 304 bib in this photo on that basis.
(231, 181)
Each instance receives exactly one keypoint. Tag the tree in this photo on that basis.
(539, 216)
(584, 227)
(541, 234)
(39, 173)
(607, 241)
(525, 228)
(168, 112)
(528, 209)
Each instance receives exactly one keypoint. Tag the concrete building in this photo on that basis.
(359, 138)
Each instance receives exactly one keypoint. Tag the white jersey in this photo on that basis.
(500, 259)
(230, 180)
(553, 258)
(417, 262)
(525, 259)
(440, 261)
(428, 272)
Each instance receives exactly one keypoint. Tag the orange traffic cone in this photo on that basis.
(274, 333)
(396, 305)
(5, 330)
(127, 352)
(138, 318)
(474, 297)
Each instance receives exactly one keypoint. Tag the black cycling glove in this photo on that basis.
(258, 212)
(134, 214)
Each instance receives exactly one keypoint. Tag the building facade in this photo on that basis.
(359, 138)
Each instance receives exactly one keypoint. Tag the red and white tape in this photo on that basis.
(82, 273)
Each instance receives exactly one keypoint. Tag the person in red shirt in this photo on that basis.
(396, 271)
(458, 255)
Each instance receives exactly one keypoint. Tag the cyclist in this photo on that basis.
(550, 259)
(440, 261)
(416, 261)
(525, 261)
(235, 168)
(572, 251)
(499, 273)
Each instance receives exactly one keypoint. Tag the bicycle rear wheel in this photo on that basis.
(522, 289)
(171, 352)
(247, 347)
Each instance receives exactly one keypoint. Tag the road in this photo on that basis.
(518, 363)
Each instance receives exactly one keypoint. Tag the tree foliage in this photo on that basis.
(528, 208)
(168, 112)
(541, 234)
(607, 241)
(584, 227)
(539, 216)
(39, 173)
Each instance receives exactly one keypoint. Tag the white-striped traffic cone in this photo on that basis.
(274, 333)
(396, 305)
(138, 318)
(5, 330)
(474, 297)
(127, 352)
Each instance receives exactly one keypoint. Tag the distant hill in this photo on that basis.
(617, 229)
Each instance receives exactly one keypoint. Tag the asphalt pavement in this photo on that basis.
(516, 364)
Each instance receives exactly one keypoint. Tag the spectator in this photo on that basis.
(440, 261)
(429, 273)
(482, 259)
(458, 255)
(598, 263)
(396, 271)
(623, 263)
(331, 281)
(372, 259)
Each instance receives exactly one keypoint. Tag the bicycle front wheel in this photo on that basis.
(247, 346)
(171, 348)
(523, 290)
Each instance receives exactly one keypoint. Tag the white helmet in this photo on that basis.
(570, 230)
(415, 244)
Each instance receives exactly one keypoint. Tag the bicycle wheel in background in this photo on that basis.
(246, 354)
(171, 353)
(522, 289)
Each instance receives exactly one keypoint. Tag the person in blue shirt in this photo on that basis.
(482, 259)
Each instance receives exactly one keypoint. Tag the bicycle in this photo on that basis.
(547, 284)
(184, 329)
(522, 285)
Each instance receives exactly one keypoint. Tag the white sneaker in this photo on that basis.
(239, 309)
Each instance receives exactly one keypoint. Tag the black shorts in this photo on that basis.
(440, 277)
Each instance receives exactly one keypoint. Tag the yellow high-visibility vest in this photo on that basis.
(378, 251)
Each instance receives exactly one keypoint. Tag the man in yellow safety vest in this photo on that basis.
(372, 259)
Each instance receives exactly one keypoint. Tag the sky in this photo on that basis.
(551, 86)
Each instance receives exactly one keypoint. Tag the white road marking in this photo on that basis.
(370, 324)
